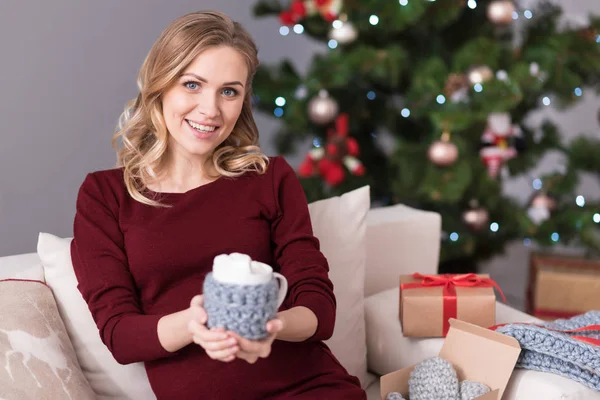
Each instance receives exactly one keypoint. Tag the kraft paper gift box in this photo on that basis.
(477, 354)
(562, 286)
(427, 302)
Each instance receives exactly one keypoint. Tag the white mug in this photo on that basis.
(239, 269)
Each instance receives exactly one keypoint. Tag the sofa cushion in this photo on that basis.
(38, 358)
(340, 225)
(109, 379)
(400, 240)
(388, 350)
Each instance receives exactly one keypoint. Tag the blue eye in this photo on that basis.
(191, 85)
(229, 92)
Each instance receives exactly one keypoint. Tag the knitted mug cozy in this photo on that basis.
(435, 378)
(244, 309)
(546, 348)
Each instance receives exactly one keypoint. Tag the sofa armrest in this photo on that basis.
(400, 240)
(22, 266)
(387, 348)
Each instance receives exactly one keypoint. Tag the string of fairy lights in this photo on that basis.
(405, 112)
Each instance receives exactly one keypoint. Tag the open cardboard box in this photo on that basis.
(477, 354)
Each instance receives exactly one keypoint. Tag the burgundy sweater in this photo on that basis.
(136, 263)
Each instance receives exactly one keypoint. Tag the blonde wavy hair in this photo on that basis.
(144, 138)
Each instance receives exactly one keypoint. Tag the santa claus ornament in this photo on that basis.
(329, 161)
(300, 9)
(499, 142)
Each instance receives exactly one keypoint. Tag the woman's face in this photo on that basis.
(203, 106)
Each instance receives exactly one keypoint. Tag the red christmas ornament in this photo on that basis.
(287, 18)
(329, 161)
(329, 10)
(298, 8)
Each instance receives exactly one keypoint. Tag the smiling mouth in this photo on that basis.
(202, 128)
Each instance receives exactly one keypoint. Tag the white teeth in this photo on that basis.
(203, 128)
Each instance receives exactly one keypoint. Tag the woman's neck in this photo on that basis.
(181, 175)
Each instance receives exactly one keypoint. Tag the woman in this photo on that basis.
(192, 183)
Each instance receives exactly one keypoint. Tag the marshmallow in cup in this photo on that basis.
(240, 269)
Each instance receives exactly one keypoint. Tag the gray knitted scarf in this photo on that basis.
(244, 309)
(549, 348)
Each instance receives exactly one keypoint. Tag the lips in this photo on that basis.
(202, 134)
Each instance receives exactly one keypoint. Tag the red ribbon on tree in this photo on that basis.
(340, 150)
(449, 282)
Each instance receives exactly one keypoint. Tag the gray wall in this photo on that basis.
(69, 66)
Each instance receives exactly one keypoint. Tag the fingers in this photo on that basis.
(198, 312)
(254, 348)
(250, 358)
(274, 326)
(216, 342)
(197, 301)
(202, 334)
(227, 354)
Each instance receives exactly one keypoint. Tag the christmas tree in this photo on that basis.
(426, 102)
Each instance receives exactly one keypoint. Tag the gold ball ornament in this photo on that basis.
(322, 109)
(344, 34)
(455, 83)
(500, 12)
(479, 74)
(443, 152)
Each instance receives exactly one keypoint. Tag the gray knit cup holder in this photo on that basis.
(244, 309)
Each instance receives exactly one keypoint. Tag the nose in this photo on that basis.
(208, 106)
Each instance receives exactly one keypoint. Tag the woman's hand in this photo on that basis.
(218, 344)
(252, 350)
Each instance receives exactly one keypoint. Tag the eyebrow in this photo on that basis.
(205, 81)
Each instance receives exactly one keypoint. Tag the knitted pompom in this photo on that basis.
(394, 396)
(470, 390)
(434, 378)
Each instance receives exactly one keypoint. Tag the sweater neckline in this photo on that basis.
(188, 192)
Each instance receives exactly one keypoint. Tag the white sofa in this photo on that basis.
(398, 240)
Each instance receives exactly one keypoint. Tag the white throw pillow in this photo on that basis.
(340, 224)
(108, 378)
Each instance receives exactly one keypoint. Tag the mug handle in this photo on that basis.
(283, 286)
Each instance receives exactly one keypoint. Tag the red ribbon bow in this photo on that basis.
(449, 283)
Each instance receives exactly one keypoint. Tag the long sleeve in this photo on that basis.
(104, 280)
(297, 252)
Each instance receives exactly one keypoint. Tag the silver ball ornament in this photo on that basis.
(479, 74)
(344, 34)
(443, 152)
(501, 11)
(476, 218)
(322, 109)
